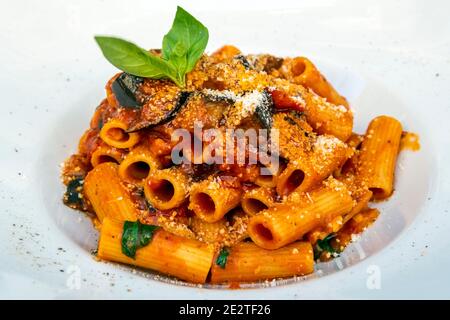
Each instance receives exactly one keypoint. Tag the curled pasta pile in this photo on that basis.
(228, 222)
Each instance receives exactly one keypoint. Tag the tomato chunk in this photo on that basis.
(282, 100)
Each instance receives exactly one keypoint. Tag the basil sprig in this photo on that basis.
(182, 47)
(222, 258)
(136, 235)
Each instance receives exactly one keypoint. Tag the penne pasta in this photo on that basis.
(114, 134)
(247, 262)
(378, 156)
(166, 189)
(108, 197)
(211, 199)
(184, 258)
(287, 222)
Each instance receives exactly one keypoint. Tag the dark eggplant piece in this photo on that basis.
(73, 197)
(247, 65)
(126, 90)
(264, 62)
(153, 114)
(264, 110)
(271, 63)
(199, 172)
(219, 96)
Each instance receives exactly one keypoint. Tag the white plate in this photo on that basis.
(386, 57)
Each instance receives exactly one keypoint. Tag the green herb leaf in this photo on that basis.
(186, 41)
(130, 237)
(182, 47)
(222, 258)
(136, 235)
(132, 59)
(146, 234)
(325, 245)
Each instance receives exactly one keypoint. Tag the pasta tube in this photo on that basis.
(329, 153)
(256, 200)
(106, 153)
(184, 258)
(323, 116)
(328, 118)
(211, 199)
(286, 222)
(107, 195)
(166, 189)
(337, 223)
(208, 232)
(378, 156)
(269, 180)
(137, 165)
(114, 134)
(247, 262)
(303, 71)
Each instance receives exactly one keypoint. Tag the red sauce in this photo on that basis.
(409, 141)
(282, 100)
(234, 285)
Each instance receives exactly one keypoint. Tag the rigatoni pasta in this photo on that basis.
(247, 262)
(326, 155)
(184, 258)
(378, 156)
(233, 168)
(107, 195)
(167, 189)
(106, 154)
(114, 134)
(211, 199)
(286, 222)
(302, 71)
(258, 199)
(137, 164)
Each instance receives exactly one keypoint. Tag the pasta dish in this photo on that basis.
(227, 167)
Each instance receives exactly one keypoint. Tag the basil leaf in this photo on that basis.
(130, 236)
(134, 60)
(222, 258)
(146, 234)
(185, 42)
(182, 47)
(136, 235)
